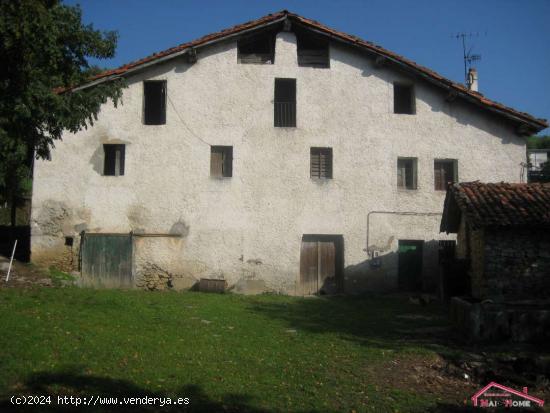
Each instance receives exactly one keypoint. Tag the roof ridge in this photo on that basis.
(536, 123)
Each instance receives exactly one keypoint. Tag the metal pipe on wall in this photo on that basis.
(412, 213)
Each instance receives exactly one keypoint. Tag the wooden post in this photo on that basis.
(11, 261)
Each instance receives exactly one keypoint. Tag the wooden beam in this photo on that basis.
(451, 96)
(524, 130)
(380, 62)
(192, 55)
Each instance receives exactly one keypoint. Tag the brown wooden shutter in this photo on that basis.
(439, 177)
(315, 166)
(325, 161)
(401, 173)
(321, 163)
(216, 162)
(227, 162)
(444, 172)
(448, 168)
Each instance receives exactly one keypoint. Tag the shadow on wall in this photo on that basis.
(470, 114)
(22, 234)
(72, 382)
(383, 273)
(378, 274)
(360, 60)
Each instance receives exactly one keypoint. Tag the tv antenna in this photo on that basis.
(467, 54)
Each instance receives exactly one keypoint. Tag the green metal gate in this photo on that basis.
(107, 260)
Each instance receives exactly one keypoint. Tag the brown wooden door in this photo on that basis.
(318, 267)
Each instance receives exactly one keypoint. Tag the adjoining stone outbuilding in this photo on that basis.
(503, 232)
(278, 155)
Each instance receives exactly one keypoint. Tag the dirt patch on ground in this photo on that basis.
(452, 381)
(429, 375)
(23, 275)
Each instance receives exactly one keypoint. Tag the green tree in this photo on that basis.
(44, 51)
(538, 142)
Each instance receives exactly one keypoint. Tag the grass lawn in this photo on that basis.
(225, 352)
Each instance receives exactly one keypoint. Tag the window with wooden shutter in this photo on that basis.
(312, 49)
(154, 102)
(406, 173)
(403, 99)
(445, 171)
(113, 161)
(285, 103)
(321, 163)
(221, 161)
(258, 48)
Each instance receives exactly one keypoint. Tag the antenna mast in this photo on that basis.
(467, 54)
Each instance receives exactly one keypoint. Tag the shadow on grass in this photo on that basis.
(392, 322)
(378, 321)
(71, 383)
(450, 408)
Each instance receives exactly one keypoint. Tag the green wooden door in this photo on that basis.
(107, 260)
(410, 265)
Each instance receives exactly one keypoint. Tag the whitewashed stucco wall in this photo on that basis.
(251, 225)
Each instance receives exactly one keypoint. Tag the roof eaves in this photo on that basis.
(430, 75)
(474, 97)
(184, 48)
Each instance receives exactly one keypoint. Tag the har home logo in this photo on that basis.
(497, 395)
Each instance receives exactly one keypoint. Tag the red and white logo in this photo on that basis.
(497, 395)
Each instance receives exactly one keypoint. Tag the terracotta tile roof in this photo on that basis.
(497, 205)
(460, 89)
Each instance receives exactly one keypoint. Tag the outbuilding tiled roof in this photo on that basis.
(458, 89)
(496, 204)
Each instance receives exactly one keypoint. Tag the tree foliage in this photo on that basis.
(538, 142)
(44, 51)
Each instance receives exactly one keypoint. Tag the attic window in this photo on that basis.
(154, 102)
(312, 50)
(403, 99)
(257, 49)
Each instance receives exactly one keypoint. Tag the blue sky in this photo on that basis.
(514, 39)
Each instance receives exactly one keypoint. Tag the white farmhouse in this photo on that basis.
(279, 155)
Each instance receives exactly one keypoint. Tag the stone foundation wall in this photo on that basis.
(496, 322)
(517, 264)
(477, 262)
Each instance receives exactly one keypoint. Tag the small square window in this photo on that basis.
(321, 163)
(403, 99)
(154, 102)
(406, 173)
(445, 172)
(221, 161)
(113, 164)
